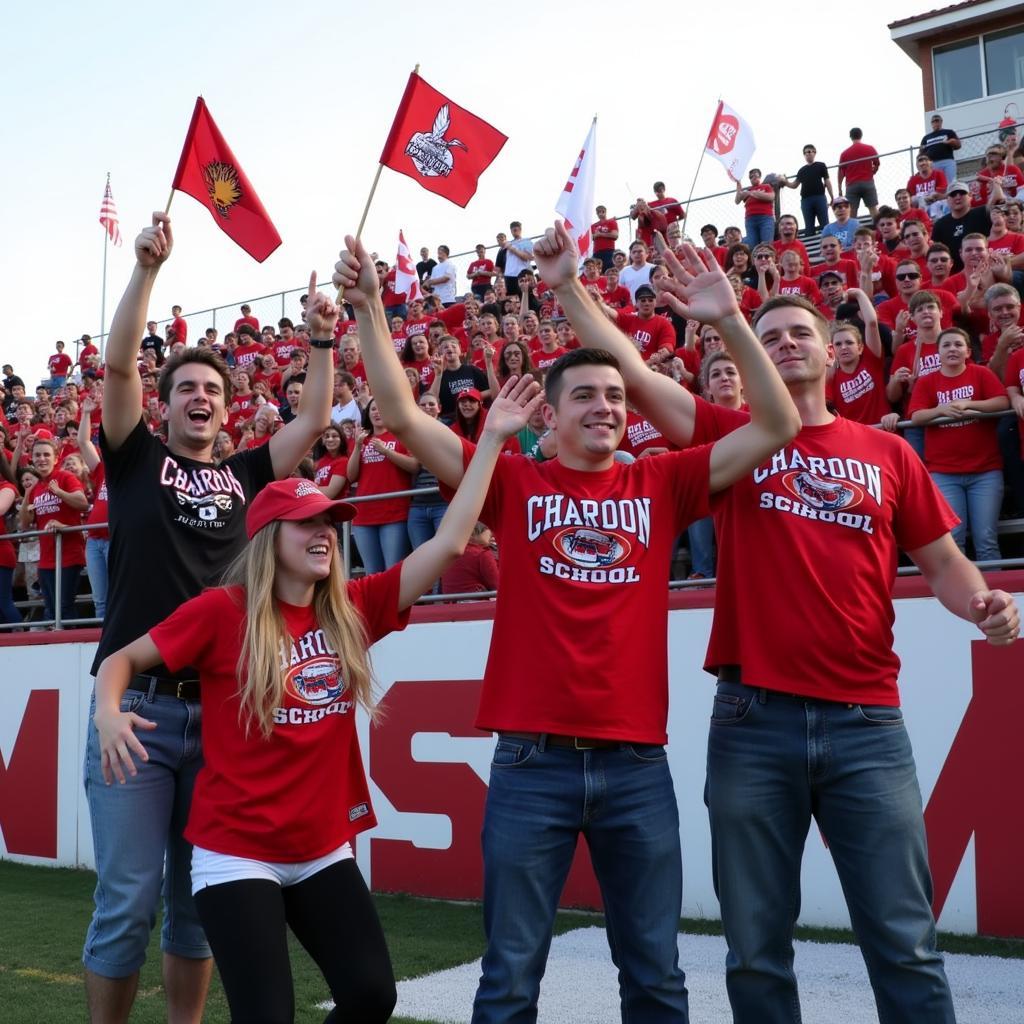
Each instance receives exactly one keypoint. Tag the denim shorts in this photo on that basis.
(138, 842)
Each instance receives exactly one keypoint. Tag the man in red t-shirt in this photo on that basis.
(584, 539)
(648, 221)
(787, 241)
(247, 318)
(179, 326)
(480, 273)
(806, 720)
(832, 259)
(604, 231)
(858, 165)
(653, 334)
(928, 186)
(59, 365)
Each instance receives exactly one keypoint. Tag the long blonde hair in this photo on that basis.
(266, 640)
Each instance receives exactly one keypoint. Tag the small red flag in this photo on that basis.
(440, 144)
(208, 171)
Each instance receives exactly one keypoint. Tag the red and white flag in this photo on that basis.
(730, 141)
(108, 215)
(440, 144)
(576, 203)
(405, 273)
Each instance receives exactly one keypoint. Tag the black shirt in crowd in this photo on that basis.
(454, 381)
(951, 231)
(936, 144)
(812, 178)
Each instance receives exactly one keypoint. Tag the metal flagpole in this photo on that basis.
(103, 294)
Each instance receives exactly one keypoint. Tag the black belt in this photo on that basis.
(183, 689)
(553, 739)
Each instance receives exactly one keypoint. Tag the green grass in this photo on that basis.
(44, 914)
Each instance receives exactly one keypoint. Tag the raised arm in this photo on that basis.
(429, 440)
(122, 384)
(509, 413)
(86, 448)
(872, 337)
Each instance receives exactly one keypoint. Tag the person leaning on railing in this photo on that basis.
(8, 561)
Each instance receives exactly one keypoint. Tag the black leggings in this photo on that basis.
(333, 917)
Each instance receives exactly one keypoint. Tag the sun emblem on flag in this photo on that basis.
(223, 186)
(430, 151)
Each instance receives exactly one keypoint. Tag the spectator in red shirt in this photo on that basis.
(858, 165)
(998, 167)
(666, 204)
(758, 200)
(480, 273)
(179, 326)
(615, 294)
(858, 374)
(794, 281)
(927, 188)
(648, 221)
(514, 359)
(709, 236)
(247, 318)
(476, 569)
(907, 212)
(652, 334)
(604, 231)
(787, 241)
(939, 265)
(59, 365)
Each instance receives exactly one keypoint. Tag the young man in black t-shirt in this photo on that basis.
(814, 182)
(455, 376)
(177, 520)
(961, 220)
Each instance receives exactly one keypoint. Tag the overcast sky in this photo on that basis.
(305, 95)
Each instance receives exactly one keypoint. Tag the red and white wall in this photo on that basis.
(963, 701)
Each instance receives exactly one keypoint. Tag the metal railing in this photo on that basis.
(717, 208)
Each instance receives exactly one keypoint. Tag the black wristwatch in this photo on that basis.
(321, 342)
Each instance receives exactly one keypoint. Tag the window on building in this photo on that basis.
(957, 73)
(1004, 60)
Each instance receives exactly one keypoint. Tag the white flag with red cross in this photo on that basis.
(405, 273)
(576, 203)
(730, 141)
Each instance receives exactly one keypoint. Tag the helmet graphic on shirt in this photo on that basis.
(430, 151)
(317, 682)
(591, 548)
(207, 506)
(823, 493)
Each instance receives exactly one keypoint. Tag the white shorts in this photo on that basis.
(210, 868)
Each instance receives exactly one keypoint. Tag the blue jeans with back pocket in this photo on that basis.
(539, 801)
(776, 761)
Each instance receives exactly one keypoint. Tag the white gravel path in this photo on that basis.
(580, 986)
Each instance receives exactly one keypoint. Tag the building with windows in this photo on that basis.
(971, 57)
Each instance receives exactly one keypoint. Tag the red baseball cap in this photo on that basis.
(291, 499)
(469, 393)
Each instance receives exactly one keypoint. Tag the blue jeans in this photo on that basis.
(380, 547)
(539, 800)
(976, 498)
(760, 228)
(914, 436)
(137, 838)
(814, 209)
(68, 589)
(774, 762)
(8, 613)
(401, 310)
(700, 537)
(948, 168)
(424, 521)
(96, 566)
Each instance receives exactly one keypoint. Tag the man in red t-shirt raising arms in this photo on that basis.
(806, 720)
(585, 546)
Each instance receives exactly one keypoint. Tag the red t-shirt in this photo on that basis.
(805, 286)
(588, 553)
(602, 243)
(8, 559)
(860, 395)
(888, 310)
(49, 508)
(761, 201)
(328, 466)
(1014, 378)
(389, 297)
(750, 302)
(598, 282)
(481, 271)
(648, 335)
(1010, 176)
(415, 327)
(858, 162)
(807, 557)
(180, 329)
(59, 364)
(282, 350)
(795, 246)
(935, 182)
(425, 368)
(302, 792)
(250, 320)
(1011, 244)
(967, 446)
(544, 360)
(647, 224)
(246, 355)
(904, 356)
(272, 380)
(919, 215)
(849, 270)
(99, 513)
(640, 435)
(618, 297)
(379, 475)
(475, 570)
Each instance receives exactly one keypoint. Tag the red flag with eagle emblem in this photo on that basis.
(440, 144)
(208, 171)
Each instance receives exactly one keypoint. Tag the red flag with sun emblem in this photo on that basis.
(208, 171)
(440, 144)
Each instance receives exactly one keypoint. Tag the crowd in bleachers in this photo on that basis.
(924, 302)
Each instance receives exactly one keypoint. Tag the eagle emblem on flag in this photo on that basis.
(430, 151)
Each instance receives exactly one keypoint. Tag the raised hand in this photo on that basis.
(556, 256)
(321, 312)
(153, 244)
(517, 401)
(698, 288)
(902, 321)
(356, 274)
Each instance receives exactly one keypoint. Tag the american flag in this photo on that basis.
(108, 215)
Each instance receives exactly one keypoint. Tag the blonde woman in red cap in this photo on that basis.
(282, 655)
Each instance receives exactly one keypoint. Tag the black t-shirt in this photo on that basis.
(935, 144)
(155, 343)
(812, 178)
(12, 381)
(425, 268)
(951, 231)
(175, 526)
(454, 381)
